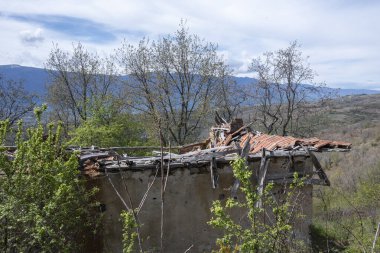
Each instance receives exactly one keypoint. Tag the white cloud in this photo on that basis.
(341, 37)
(32, 37)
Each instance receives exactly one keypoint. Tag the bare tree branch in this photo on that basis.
(285, 95)
(177, 79)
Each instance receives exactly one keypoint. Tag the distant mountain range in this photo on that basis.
(36, 80)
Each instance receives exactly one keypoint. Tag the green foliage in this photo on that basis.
(129, 234)
(347, 221)
(368, 194)
(323, 241)
(44, 205)
(348, 212)
(344, 232)
(113, 130)
(253, 234)
(107, 126)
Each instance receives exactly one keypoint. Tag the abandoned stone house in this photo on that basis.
(197, 175)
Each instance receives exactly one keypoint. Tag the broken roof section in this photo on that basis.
(226, 140)
(235, 133)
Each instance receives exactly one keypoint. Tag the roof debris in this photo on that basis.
(235, 133)
(226, 140)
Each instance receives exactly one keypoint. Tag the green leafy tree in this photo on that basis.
(252, 234)
(44, 205)
(108, 126)
(123, 131)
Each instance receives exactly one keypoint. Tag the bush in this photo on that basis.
(255, 235)
(44, 205)
(129, 234)
(121, 132)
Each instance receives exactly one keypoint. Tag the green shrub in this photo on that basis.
(44, 205)
(129, 233)
(257, 235)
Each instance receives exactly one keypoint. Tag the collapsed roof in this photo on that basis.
(226, 140)
(229, 133)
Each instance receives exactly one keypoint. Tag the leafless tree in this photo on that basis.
(231, 96)
(176, 80)
(15, 101)
(78, 80)
(286, 96)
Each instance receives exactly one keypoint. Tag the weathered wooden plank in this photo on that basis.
(280, 153)
(261, 178)
(213, 173)
(321, 173)
(93, 155)
(143, 148)
(224, 157)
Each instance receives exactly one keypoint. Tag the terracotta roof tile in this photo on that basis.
(259, 141)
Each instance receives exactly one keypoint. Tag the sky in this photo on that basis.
(341, 37)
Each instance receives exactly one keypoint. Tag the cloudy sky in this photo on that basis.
(342, 37)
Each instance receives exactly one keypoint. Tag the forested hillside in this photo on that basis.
(346, 215)
(36, 80)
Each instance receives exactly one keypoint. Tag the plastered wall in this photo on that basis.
(188, 199)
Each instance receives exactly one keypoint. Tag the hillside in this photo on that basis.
(347, 213)
(36, 80)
